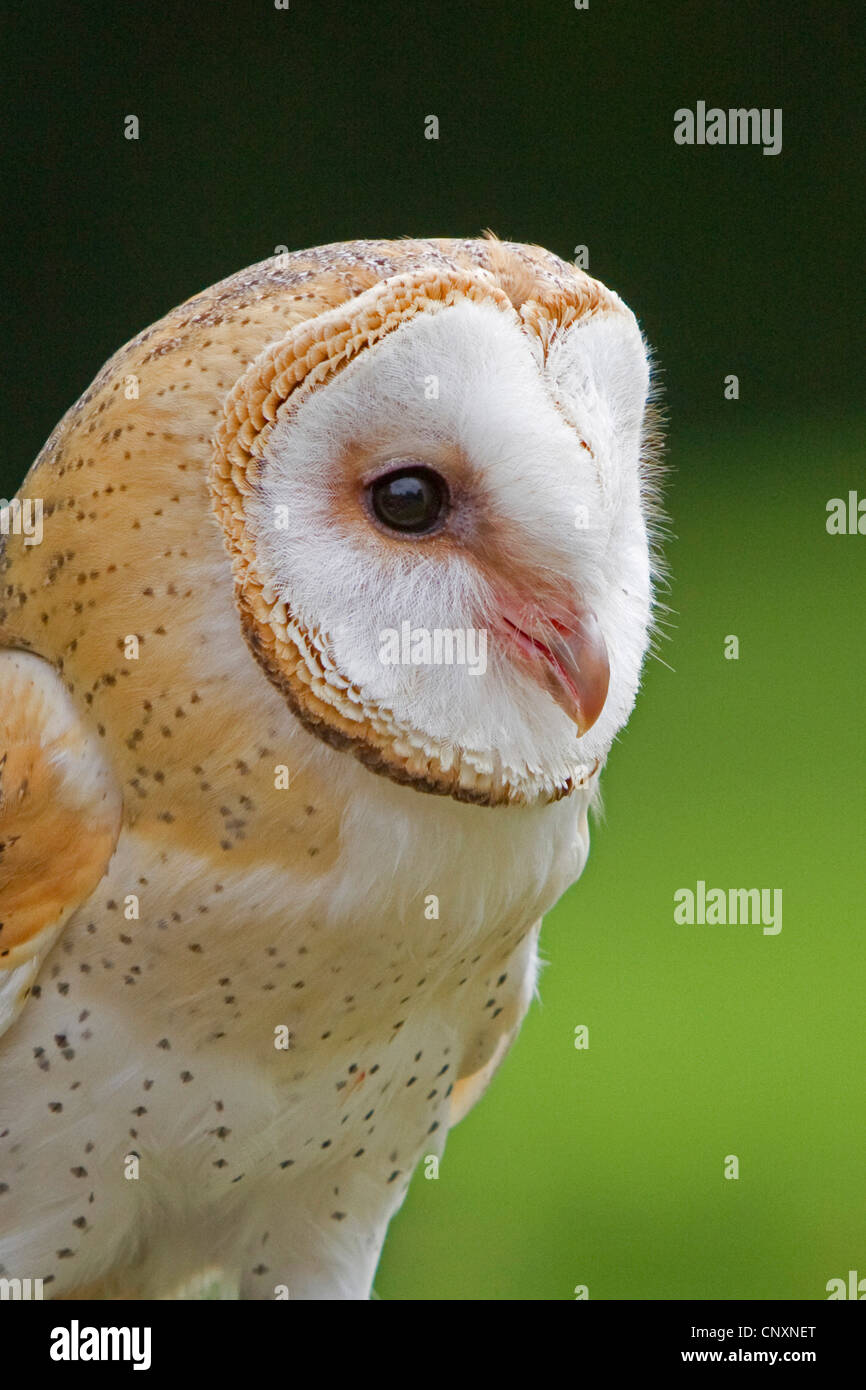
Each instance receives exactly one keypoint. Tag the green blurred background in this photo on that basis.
(262, 127)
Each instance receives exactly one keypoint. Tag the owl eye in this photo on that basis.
(411, 500)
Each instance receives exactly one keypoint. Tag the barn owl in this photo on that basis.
(343, 592)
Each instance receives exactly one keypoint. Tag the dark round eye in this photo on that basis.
(412, 500)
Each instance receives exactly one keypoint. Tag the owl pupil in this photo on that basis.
(411, 500)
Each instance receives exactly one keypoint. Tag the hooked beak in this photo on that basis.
(569, 656)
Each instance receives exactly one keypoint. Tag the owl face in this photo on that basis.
(433, 497)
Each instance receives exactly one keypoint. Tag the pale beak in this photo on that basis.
(570, 658)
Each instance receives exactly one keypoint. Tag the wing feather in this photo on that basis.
(60, 812)
(482, 1058)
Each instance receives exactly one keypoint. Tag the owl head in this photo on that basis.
(435, 496)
